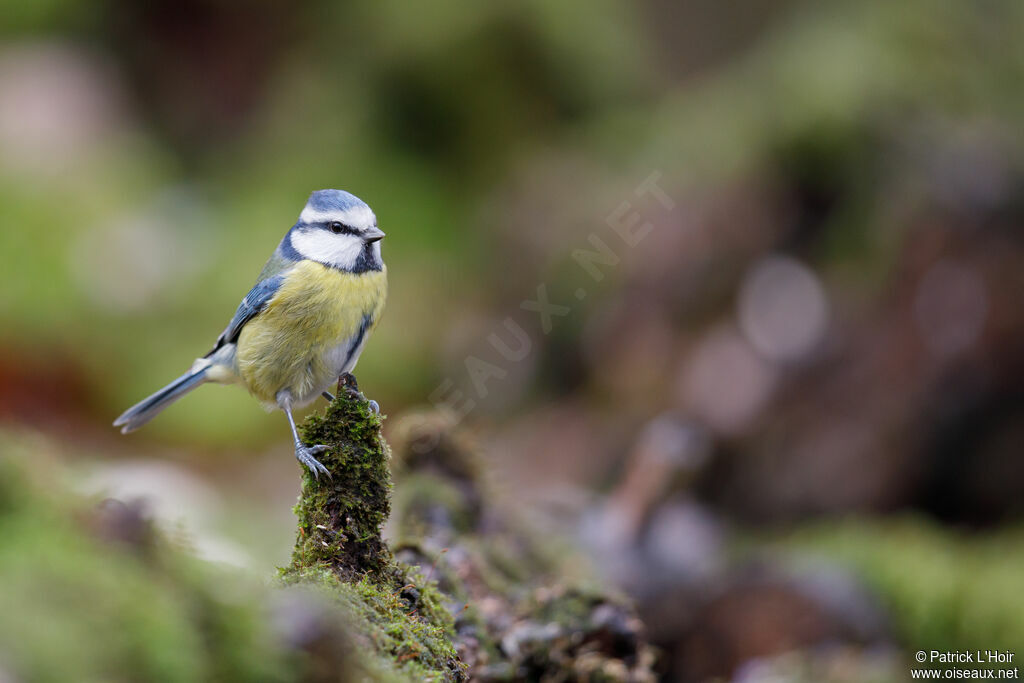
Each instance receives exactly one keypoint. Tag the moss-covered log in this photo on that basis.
(504, 607)
(339, 549)
(341, 516)
(101, 586)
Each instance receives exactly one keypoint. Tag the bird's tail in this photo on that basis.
(148, 408)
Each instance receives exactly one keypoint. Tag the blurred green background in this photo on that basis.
(820, 339)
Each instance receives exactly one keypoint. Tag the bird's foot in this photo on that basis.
(348, 384)
(329, 396)
(304, 454)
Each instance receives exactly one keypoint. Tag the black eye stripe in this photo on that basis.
(339, 228)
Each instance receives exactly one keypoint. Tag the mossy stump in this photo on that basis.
(339, 548)
(340, 517)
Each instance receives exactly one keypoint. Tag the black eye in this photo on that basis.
(337, 228)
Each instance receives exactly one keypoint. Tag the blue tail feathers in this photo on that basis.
(148, 408)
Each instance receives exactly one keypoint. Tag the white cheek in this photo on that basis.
(325, 247)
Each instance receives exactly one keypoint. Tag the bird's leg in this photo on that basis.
(329, 396)
(348, 384)
(304, 453)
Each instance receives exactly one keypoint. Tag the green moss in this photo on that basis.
(339, 549)
(340, 517)
(406, 628)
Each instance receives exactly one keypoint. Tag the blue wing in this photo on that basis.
(254, 302)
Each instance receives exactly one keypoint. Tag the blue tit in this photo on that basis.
(304, 323)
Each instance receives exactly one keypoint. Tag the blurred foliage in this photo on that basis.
(93, 594)
(945, 589)
(129, 252)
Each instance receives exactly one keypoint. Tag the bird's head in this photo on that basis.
(337, 229)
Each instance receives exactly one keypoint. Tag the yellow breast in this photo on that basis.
(316, 309)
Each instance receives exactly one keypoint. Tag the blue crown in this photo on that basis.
(334, 200)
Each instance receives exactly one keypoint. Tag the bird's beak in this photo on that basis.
(373, 235)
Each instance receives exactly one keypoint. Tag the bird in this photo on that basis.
(304, 323)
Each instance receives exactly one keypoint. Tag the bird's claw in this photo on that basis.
(304, 454)
(347, 383)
